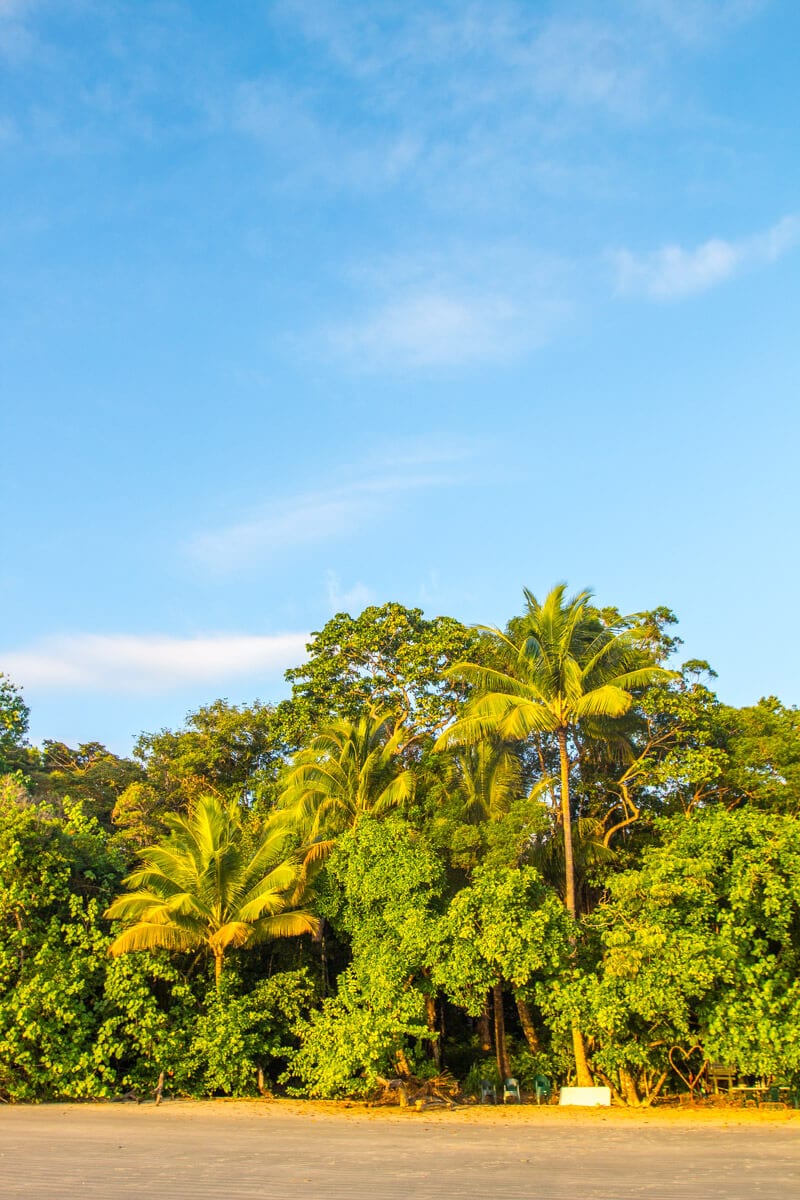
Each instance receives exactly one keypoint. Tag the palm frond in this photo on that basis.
(147, 936)
(232, 933)
(606, 701)
(645, 676)
(288, 924)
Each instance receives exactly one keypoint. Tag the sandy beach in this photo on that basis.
(278, 1149)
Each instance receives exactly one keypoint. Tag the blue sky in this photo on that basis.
(311, 304)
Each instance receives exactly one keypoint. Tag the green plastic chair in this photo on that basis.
(772, 1098)
(488, 1092)
(511, 1091)
(542, 1088)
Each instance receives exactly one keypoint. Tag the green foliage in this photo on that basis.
(224, 748)
(14, 715)
(390, 657)
(701, 944)
(47, 1022)
(148, 1011)
(559, 669)
(232, 751)
(90, 774)
(241, 1031)
(483, 1069)
(558, 666)
(507, 925)
(387, 891)
(682, 755)
(55, 878)
(570, 754)
(391, 884)
(354, 1038)
(764, 755)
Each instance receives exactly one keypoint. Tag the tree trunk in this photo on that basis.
(578, 1044)
(21, 955)
(403, 1069)
(628, 1087)
(612, 1087)
(430, 1014)
(217, 969)
(501, 1050)
(484, 1028)
(526, 1021)
(581, 1061)
(319, 938)
(566, 820)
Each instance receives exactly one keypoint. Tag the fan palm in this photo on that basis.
(351, 769)
(557, 668)
(203, 886)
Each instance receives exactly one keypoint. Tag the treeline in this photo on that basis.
(536, 851)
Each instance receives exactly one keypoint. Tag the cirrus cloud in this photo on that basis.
(327, 514)
(672, 271)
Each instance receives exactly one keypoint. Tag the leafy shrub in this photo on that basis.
(241, 1031)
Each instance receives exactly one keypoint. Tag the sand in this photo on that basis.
(282, 1149)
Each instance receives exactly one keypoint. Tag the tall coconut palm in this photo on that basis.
(558, 668)
(204, 887)
(350, 770)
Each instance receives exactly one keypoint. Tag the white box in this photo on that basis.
(587, 1097)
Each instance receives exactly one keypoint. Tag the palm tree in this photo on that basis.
(350, 770)
(486, 778)
(203, 887)
(559, 667)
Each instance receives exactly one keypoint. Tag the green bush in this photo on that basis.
(239, 1032)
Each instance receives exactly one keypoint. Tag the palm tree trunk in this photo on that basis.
(501, 1049)
(566, 820)
(217, 970)
(581, 1061)
(578, 1044)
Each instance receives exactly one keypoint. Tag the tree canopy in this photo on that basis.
(548, 850)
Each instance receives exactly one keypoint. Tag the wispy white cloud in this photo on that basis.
(17, 42)
(451, 308)
(131, 663)
(588, 64)
(470, 58)
(352, 600)
(342, 509)
(698, 21)
(672, 271)
(306, 146)
(429, 329)
(446, 101)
